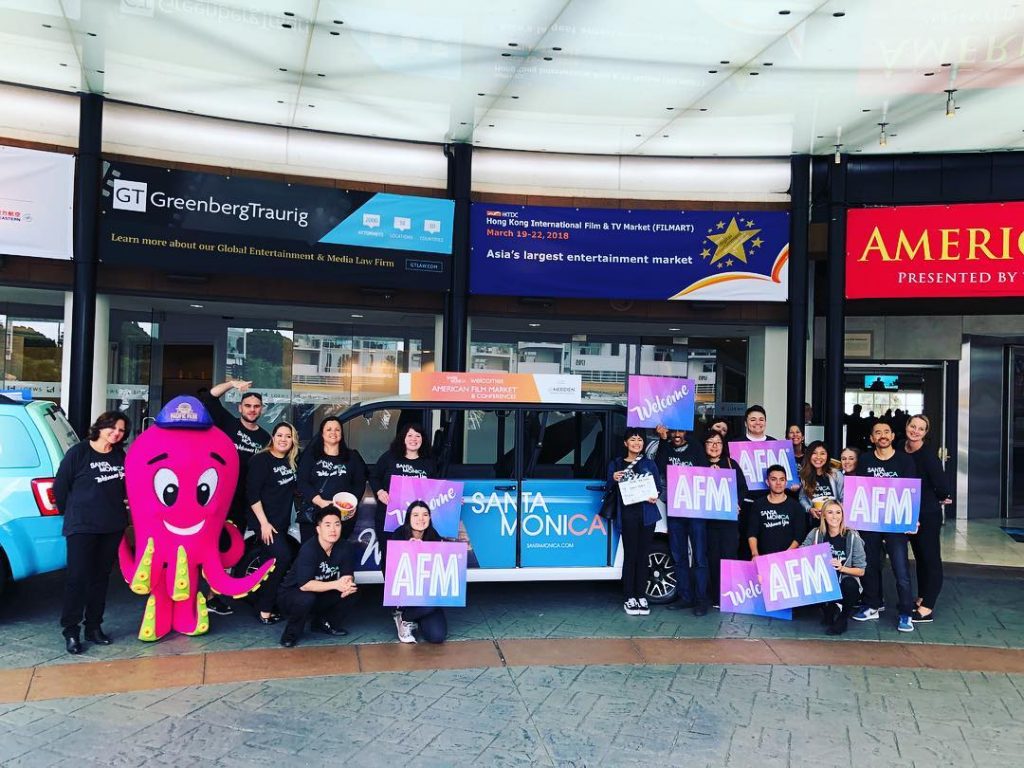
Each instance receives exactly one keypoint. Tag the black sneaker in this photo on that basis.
(326, 628)
(220, 606)
(917, 618)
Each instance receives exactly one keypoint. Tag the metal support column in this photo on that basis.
(460, 163)
(88, 174)
(835, 313)
(800, 188)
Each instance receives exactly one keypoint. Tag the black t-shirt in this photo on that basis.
(838, 544)
(899, 464)
(823, 488)
(776, 526)
(325, 476)
(271, 481)
(389, 465)
(248, 442)
(313, 564)
(89, 490)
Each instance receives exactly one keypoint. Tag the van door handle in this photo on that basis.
(596, 488)
(504, 487)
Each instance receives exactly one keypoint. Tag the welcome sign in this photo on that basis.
(741, 591)
(754, 458)
(702, 492)
(798, 577)
(883, 504)
(444, 497)
(654, 400)
(422, 573)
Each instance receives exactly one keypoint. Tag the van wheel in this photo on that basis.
(661, 576)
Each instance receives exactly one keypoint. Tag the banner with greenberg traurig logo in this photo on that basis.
(210, 223)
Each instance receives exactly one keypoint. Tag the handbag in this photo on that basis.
(610, 502)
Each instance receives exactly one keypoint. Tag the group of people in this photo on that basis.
(313, 586)
(786, 515)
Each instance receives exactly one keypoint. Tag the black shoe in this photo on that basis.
(97, 636)
(917, 618)
(288, 641)
(268, 620)
(837, 627)
(678, 605)
(73, 645)
(700, 610)
(217, 604)
(326, 628)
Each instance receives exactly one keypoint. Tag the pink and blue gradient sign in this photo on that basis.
(796, 577)
(654, 400)
(741, 591)
(702, 492)
(884, 504)
(444, 497)
(426, 573)
(754, 458)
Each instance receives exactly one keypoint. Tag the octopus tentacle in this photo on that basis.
(223, 584)
(236, 545)
(181, 586)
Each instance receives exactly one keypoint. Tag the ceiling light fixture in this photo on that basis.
(357, 317)
(534, 325)
(950, 102)
(781, 13)
(882, 139)
(196, 306)
(837, 158)
(675, 329)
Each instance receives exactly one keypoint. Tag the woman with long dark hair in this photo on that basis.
(636, 520)
(819, 481)
(723, 535)
(409, 456)
(329, 467)
(926, 543)
(430, 621)
(795, 433)
(90, 493)
(270, 491)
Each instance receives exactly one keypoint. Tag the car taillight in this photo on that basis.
(42, 489)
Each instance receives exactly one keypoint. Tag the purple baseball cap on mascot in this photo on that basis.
(184, 412)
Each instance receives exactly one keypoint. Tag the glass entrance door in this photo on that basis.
(1015, 434)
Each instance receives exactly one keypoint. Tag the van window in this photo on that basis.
(61, 429)
(17, 450)
(371, 433)
(564, 445)
(488, 445)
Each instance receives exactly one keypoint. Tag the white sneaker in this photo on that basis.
(645, 609)
(631, 607)
(404, 628)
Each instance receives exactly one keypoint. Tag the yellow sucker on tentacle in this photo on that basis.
(202, 617)
(181, 581)
(143, 579)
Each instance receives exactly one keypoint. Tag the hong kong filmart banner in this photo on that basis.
(724, 255)
(209, 223)
(36, 194)
(935, 251)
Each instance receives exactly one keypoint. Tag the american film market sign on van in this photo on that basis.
(935, 251)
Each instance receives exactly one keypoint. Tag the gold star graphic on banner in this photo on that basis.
(730, 242)
(721, 224)
(757, 242)
(706, 252)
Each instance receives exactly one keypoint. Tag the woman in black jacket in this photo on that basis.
(90, 493)
(409, 456)
(329, 467)
(926, 543)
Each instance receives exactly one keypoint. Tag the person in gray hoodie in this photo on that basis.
(848, 559)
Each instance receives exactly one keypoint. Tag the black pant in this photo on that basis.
(743, 547)
(723, 544)
(927, 548)
(91, 558)
(379, 518)
(281, 551)
(432, 622)
(896, 547)
(636, 548)
(298, 607)
(851, 598)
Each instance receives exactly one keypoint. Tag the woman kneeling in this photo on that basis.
(431, 621)
(848, 559)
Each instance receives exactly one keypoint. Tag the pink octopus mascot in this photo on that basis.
(181, 475)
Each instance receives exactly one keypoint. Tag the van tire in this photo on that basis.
(661, 576)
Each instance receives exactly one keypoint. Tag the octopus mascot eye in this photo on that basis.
(181, 475)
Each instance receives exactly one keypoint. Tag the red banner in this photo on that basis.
(935, 251)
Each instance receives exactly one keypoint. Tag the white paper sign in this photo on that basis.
(642, 488)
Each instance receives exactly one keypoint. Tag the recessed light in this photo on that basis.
(335, 33)
(669, 108)
(311, 106)
(535, 325)
(724, 61)
(490, 125)
(506, 54)
(289, 13)
(839, 14)
(63, 65)
(320, 74)
(675, 329)
(357, 316)
(784, 13)
(281, 69)
(513, 45)
(462, 123)
(91, 34)
(336, 21)
(515, 97)
(280, 101)
(549, 58)
(929, 74)
(556, 48)
(703, 109)
(865, 110)
(947, 64)
(481, 94)
(196, 306)
(753, 74)
(664, 135)
(286, 26)
(768, 63)
(712, 71)
(637, 135)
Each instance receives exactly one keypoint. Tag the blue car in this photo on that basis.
(34, 436)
